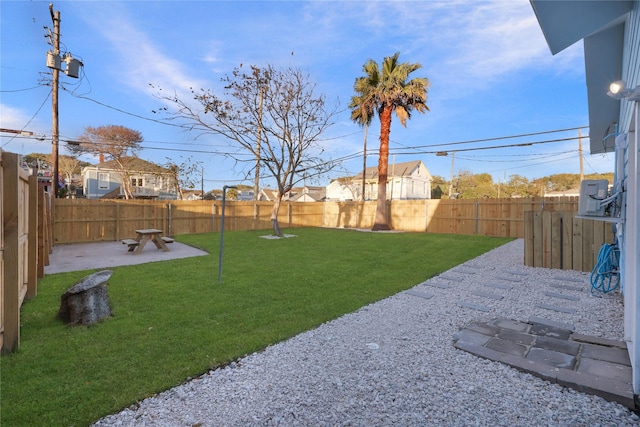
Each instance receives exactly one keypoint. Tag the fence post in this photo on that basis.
(476, 218)
(32, 255)
(256, 215)
(11, 279)
(213, 217)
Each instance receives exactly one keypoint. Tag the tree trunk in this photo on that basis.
(274, 215)
(381, 222)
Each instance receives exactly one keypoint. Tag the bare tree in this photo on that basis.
(275, 118)
(182, 174)
(112, 142)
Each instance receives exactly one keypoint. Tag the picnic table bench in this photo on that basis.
(144, 235)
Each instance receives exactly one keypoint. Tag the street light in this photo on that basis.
(224, 196)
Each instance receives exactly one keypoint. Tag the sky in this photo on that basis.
(491, 78)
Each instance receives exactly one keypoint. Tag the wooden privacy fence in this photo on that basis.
(560, 240)
(84, 220)
(554, 238)
(24, 244)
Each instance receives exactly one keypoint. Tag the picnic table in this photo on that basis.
(145, 235)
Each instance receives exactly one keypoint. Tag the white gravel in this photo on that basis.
(393, 363)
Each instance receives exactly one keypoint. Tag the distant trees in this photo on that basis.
(384, 90)
(276, 118)
(117, 143)
(467, 185)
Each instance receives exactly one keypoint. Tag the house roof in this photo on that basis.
(601, 25)
(316, 193)
(394, 169)
(133, 164)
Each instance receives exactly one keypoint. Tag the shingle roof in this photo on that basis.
(134, 164)
(394, 169)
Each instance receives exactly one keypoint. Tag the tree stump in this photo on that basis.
(87, 301)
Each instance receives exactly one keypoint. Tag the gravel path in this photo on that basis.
(393, 363)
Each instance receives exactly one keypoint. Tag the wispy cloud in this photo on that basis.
(137, 60)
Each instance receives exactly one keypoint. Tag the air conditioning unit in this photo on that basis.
(592, 192)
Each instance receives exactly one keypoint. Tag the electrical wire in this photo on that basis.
(30, 120)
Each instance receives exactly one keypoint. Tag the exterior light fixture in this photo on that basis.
(618, 90)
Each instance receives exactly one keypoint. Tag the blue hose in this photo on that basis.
(604, 277)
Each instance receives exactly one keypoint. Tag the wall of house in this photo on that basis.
(629, 230)
(98, 182)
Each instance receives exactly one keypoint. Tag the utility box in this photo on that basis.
(53, 60)
(73, 67)
(592, 192)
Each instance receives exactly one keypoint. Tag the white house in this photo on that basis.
(148, 180)
(610, 31)
(408, 180)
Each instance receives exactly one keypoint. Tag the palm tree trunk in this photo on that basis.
(381, 222)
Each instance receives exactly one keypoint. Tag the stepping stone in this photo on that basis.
(487, 295)
(498, 286)
(450, 278)
(539, 321)
(550, 357)
(419, 294)
(566, 287)
(437, 285)
(473, 306)
(507, 347)
(516, 337)
(558, 309)
(464, 271)
(568, 279)
(466, 335)
(561, 296)
(517, 273)
(509, 279)
(555, 344)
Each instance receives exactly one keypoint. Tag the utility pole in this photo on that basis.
(55, 135)
(580, 151)
(72, 68)
(453, 155)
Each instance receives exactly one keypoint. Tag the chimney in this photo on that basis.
(101, 158)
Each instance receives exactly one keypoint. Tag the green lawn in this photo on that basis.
(173, 320)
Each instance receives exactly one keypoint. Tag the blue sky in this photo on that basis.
(490, 71)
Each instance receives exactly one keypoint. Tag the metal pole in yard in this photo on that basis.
(224, 196)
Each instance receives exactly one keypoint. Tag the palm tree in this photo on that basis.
(385, 91)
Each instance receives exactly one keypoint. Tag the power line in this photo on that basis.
(502, 137)
(32, 117)
(522, 144)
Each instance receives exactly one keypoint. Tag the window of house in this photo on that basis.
(103, 181)
(136, 182)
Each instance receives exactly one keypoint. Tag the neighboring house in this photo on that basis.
(405, 181)
(310, 194)
(268, 195)
(610, 31)
(244, 195)
(565, 193)
(148, 180)
(192, 194)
